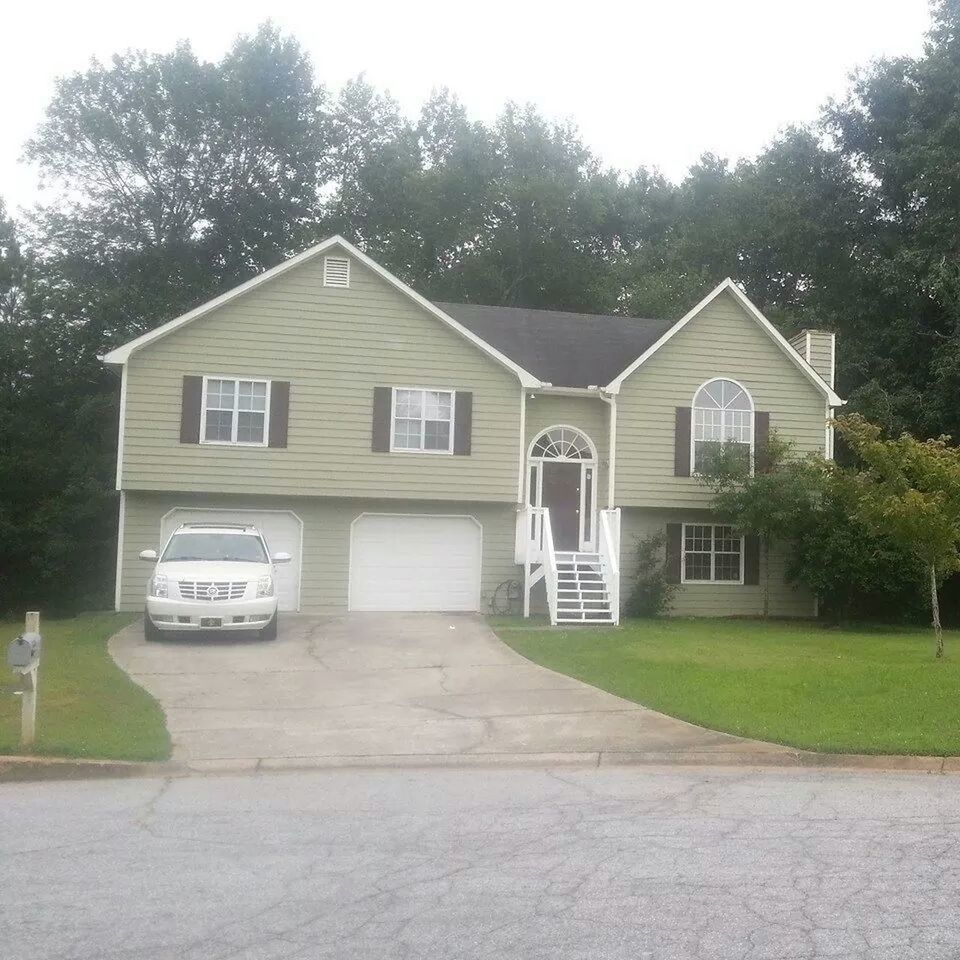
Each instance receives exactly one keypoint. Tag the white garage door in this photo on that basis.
(414, 563)
(280, 529)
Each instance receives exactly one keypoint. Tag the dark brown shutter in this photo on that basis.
(751, 559)
(190, 409)
(761, 441)
(674, 550)
(681, 443)
(382, 403)
(279, 413)
(462, 423)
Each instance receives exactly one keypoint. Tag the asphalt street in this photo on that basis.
(496, 863)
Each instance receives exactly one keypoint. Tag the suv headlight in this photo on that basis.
(158, 585)
(265, 586)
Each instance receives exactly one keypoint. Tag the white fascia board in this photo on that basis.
(549, 388)
(795, 358)
(121, 354)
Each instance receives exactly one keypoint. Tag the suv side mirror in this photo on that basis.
(148, 554)
(282, 557)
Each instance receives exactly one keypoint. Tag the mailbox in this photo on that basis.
(24, 651)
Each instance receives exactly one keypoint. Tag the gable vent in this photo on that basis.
(336, 272)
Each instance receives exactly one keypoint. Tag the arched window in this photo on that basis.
(562, 443)
(722, 417)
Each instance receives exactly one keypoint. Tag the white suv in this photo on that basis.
(212, 577)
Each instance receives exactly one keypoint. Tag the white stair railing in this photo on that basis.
(529, 549)
(609, 544)
(549, 561)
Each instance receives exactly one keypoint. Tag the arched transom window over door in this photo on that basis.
(722, 417)
(562, 476)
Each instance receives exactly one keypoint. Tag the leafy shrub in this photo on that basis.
(651, 594)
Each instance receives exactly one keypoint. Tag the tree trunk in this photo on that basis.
(766, 578)
(935, 607)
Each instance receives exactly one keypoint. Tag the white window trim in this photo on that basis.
(234, 443)
(693, 423)
(421, 450)
(713, 557)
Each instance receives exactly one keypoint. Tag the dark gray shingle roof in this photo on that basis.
(565, 349)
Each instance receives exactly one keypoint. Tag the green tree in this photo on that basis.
(910, 490)
(173, 178)
(772, 502)
(856, 572)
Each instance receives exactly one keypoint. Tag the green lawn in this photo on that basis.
(87, 706)
(860, 690)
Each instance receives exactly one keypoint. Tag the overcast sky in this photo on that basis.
(649, 82)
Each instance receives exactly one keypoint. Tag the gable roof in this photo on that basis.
(754, 313)
(563, 349)
(541, 347)
(121, 354)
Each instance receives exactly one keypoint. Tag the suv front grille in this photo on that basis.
(212, 589)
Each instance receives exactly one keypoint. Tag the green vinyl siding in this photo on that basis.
(720, 341)
(712, 599)
(821, 351)
(334, 346)
(590, 415)
(326, 540)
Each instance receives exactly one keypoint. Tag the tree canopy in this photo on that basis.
(169, 179)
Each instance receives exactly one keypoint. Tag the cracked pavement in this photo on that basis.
(390, 686)
(664, 863)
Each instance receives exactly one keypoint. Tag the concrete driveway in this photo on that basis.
(374, 688)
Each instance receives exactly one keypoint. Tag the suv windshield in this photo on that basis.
(240, 547)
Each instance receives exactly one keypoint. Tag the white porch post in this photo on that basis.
(611, 401)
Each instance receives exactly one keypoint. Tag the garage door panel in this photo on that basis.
(416, 563)
(280, 529)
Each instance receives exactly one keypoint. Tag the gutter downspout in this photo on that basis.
(522, 473)
(611, 401)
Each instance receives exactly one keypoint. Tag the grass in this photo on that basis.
(87, 706)
(849, 690)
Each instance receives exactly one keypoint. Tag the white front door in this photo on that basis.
(281, 530)
(415, 563)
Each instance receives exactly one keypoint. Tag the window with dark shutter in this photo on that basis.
(751, 560)
(681, 443)
(674, 552)
(380, 434)
(761, 433)
(462, 423)
(190, 407)
(279, 413)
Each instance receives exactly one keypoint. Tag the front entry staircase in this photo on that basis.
(582, 592)
(582, 587)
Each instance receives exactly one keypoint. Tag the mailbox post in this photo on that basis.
(23, 656)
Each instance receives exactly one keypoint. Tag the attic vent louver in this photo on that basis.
(336, 272)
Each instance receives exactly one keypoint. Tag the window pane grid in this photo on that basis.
(712, 553)
(422, 420)
(722, 414)
(235, 411)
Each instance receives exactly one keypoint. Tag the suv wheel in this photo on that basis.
(269, 632)
(150, 632)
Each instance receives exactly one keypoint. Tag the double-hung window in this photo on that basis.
(422, 420)
(235, 411)
(712, 553)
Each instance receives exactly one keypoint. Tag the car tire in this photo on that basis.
(150, 631)
(269, 632)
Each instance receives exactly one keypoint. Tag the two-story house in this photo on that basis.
(424, 456)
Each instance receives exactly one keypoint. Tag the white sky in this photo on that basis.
(649, 82)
